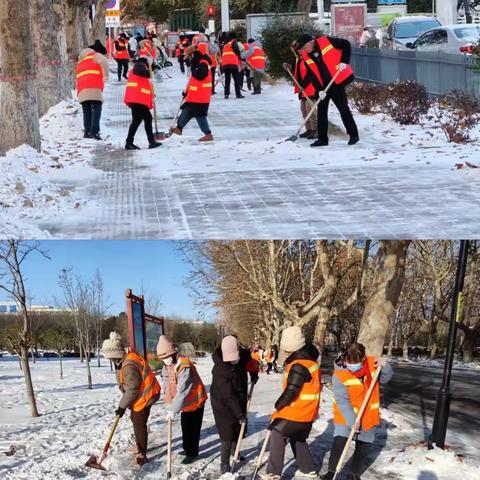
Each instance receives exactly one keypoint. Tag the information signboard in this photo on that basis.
(348, 21)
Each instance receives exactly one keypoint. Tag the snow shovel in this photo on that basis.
(158, 135)
(96, 462)
(357, 423)
(175, 118)
(262, 454)
(288, 69)
(169, 449)
(295, 137)
(242, 430)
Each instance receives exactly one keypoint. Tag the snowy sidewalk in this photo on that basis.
(397, 182)
(75, 422)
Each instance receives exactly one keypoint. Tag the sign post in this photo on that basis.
(225, 16)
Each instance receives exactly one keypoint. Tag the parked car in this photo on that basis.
(403, 30)
(448, 39)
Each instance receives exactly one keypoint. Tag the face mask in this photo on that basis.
(168, 361)
(354, 367)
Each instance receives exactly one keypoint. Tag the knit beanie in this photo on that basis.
(303, 39)
(112, 347)
(165, 347)
(292, 339)
(230, 351)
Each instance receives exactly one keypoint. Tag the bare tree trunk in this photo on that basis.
(18, 91)
(432, 338)
(321, 328)
(28, 380)
(468, 347)
(52, 77)
(433, 349)
(98, 27)
(387, 282)
(81, 352)
(89, 371)
(405, 348)
(61, 366)
(98, 356)
(305, 6)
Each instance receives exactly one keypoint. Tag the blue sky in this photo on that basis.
(123, 264)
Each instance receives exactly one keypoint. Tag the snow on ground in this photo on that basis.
(438, 363)
(75, 422)
(76, 182)
(28, 191)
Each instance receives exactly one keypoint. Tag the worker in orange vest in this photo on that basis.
(256, 61)
(198, 93)
(330, 56)
(92, 73)
(121, 56)
(139, 97)
(214, 55)
(232, 65)
(352, 375)
(185, 393)
(182, 44)
(297, 407)
(199, 37)
(139, 387)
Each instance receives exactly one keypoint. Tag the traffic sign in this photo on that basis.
(112, 14)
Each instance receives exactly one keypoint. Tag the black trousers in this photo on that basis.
(270, 366)
(231, 71)
(246, 74)
(139, 420)
(92, 113)
(122, 65)
(339, 98)
(214, 72)
(140, 113)
(181, 61)
(358, 459)
(191, 429)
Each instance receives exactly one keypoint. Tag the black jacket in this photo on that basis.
(316, 56)
(141, 70)
(229, 392)
(297, 376)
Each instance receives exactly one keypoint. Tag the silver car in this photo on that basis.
(403, 30)
(449, 39)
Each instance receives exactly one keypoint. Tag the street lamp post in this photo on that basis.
(444, 396)
(225, 16)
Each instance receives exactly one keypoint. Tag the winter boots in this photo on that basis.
(353, 140)
(206, 138)
(177, 131)
(188, 460)
(257, 91)
(154, 144)
(309, 134)
(319, 143)
(141, 459)
(131, 146)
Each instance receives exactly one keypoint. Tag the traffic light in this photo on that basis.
(212, 11)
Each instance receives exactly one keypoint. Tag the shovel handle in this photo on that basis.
(169, 449)
(112, 431)
(262, 453)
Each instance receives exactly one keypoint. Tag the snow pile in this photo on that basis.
(30, 190)
(416, 461)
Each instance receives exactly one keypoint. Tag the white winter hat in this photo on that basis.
(112, 347)
(292, 339)
(230, 350)
(165, 347)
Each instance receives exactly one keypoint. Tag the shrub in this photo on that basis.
(367, 97)
(407, 102)
(457, 112)
(277, 37)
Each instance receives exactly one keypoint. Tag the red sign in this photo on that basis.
(348, 21)
(212, 11)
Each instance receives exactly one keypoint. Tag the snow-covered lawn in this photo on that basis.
(75, 422)
(398, 181)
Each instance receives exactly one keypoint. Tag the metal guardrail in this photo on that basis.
(437, 71)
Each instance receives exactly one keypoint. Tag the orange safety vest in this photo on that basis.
(356, 392)
(148, 50)
(300, 74)
(229, 57)
(256, 356)
(89, 74)
(149, 388)
(177, 48)
(269, 356)
(258, 59)
(309, 63)
(331, 56)
(203, 48)
(305, 408)
(139, 90)
(121, 54)
(195, 39)
(200, 91)
(197, 395)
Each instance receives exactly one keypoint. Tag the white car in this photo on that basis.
(448, 38)
(403, 30)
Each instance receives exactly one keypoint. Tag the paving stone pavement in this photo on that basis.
(134, 201)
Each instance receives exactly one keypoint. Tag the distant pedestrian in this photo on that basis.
(92, 73)
(180, 48)
(229, 393)
(139, 97)
(139, 387)
(326, 57)
(214, 53)
(185, 393)
(121, 56)
(198, 93)
(270, 360)
(257, 62)
(231, 65)
(352, 376)
(132, 47)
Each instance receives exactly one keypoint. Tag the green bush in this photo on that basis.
(276, 39)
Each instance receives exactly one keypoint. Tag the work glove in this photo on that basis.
(322, 95)
(381, 362)
(120, 412)
(169, 416)
(242, 420)
(342, 67)
(287, 66)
